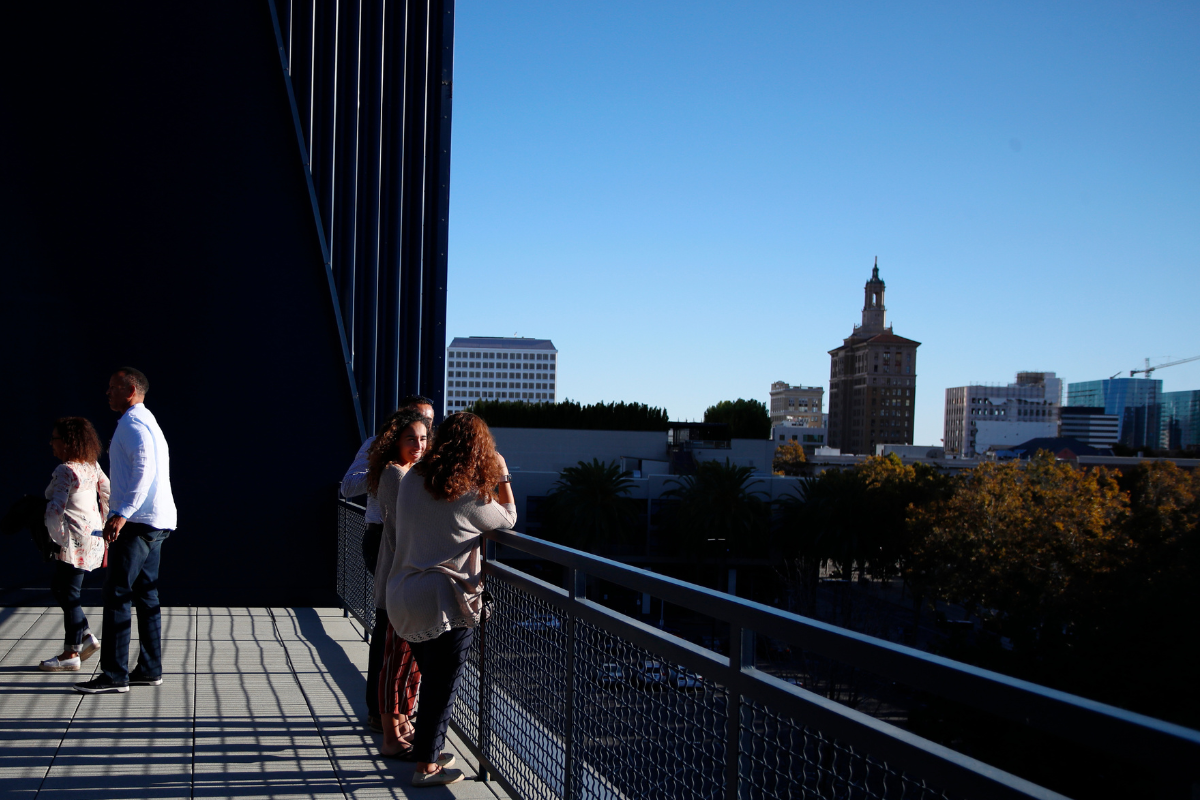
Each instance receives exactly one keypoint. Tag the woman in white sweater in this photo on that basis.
(77, 505)
(460, 489)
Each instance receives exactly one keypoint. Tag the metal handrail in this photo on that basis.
(958, 773)
(486, 715)
(1088, 722)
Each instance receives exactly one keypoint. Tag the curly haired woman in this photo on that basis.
(435, 589)
(400, 444)
(78, 502)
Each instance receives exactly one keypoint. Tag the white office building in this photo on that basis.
(500, 368)
(979, 417)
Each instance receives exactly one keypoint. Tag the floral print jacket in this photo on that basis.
(78, 495)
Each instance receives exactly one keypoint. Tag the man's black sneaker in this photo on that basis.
(138, 678)
(101, 684)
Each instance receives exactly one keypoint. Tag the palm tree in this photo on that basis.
(717, 510)
(828, 520)
(590, 507)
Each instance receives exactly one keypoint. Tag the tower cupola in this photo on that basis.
(874, 314)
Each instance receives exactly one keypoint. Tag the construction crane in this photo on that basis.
(1149, 369)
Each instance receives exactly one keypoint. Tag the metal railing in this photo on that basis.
(355, 585)
(566, 698)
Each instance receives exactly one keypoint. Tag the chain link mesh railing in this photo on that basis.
(563, 698)
(783, 759)
(355, 585)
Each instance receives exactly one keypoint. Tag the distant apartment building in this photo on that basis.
(980, 417)
(1134, 401)
(797, 405)
(499, 368)
(1089, 425)
(872, 381)
(1179, 420)
(810, 437)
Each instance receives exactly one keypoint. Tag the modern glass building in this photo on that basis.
(1180, 420)
(1135, 402)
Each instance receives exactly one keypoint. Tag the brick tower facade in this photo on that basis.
(872, 381)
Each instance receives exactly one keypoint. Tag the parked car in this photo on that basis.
(540, 622)
(610, 674)
(651, 675)
(684, 679)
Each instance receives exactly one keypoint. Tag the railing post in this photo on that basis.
(576, 587)
(741, 657)
(489, 554)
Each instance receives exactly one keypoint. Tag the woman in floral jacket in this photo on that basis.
(77, 505)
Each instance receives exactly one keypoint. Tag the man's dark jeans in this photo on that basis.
(132, 577)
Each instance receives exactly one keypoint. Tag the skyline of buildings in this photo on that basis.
(872, 395)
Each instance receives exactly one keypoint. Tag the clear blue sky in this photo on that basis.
(688, 197)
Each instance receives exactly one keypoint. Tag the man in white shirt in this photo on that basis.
(141, 515)
(354, 484)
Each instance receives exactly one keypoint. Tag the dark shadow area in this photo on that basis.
(336, 665)
(156, 214)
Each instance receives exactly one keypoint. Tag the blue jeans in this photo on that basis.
(133, 561)
(65, 585)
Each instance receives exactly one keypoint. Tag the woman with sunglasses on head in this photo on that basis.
(435, 589)
(399, 445)
(77, 505)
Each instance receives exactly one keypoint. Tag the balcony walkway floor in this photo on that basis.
(255, 703)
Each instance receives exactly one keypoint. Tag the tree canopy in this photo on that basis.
(789, 459)
(1022, 546)
(572, 415)
(747, 419)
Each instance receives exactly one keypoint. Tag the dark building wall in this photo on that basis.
(154, 212)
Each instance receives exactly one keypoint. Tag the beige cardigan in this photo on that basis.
(385, 507)
(435, 583)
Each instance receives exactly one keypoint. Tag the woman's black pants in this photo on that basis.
(375, 660)
(65, 585)
(441, 662)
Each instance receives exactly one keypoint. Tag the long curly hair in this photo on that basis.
(461, 459)
(386, 447)
(79, 438)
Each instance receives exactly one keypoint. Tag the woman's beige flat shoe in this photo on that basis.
(442, 777)
(90, 646)
(55, 665)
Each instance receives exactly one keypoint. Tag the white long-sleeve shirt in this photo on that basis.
(354, 483)
(139, 466)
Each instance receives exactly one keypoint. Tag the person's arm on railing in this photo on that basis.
(354, 483)
(504, 490)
